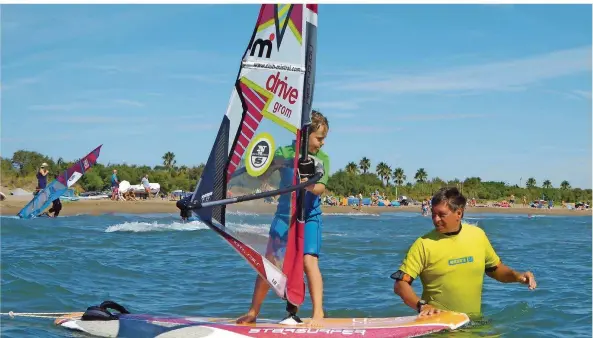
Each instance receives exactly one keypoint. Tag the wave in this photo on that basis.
(135, 226)
(156, 226)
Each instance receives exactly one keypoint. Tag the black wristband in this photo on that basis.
(420, 304)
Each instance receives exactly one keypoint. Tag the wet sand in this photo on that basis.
(13, 204)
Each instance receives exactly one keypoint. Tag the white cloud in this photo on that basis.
(213, 78)
(343, 105)
(83, 119)
(24, 81)
(58, 107)
(197, 127)
(582, 93)
(86, 105)
(503, 75)
(364, 130)
(438, 117)
(131, 103)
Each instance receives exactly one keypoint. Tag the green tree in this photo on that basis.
(28, 162)
(530, 183)
(421, 176)
(384, 172)
(91, 181)
(351, 168)
(169, 160)
(398, 178)
(365, 165)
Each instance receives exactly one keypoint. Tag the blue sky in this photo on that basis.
(497, 91)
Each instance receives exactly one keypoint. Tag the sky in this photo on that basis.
(502, 92)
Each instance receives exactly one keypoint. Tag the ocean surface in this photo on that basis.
(156, 264)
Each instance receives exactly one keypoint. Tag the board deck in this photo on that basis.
(132, 325)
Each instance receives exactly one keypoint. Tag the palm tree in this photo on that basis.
(183, 169)
(365, 164)
(351, 168)
(421, 176)
(60, 164)
(530, 183)
(384, 171)
(387, 174)
(169, 160)
(399, 178)
(547, 184)
(564, 185)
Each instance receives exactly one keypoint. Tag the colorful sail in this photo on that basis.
(60, 185)
(260, 140)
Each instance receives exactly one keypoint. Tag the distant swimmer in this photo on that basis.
(424, 208)
(451, 261)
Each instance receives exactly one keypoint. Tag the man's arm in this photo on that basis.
(403, 288)
(505, 274)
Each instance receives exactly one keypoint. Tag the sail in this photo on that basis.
(259, 142)
(60, 185)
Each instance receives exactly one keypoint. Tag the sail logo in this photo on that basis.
(86, 164)
(262, 46)
(75, 177)
(281, 89)
(259, 155)
(206, 197)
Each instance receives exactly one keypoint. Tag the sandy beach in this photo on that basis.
(13, 204)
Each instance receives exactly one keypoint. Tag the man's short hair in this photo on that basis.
(455, 200)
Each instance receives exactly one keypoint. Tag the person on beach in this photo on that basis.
(313, 224)
(114, 185)
(359, 201)
(146, 185)
(451, 261)
(41, 178)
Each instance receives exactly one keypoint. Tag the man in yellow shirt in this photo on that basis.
(451, 261)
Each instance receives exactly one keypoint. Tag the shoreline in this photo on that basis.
(11, 206)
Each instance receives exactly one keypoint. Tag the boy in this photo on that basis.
(278, 231)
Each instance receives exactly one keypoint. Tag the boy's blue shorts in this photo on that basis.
(313, 226)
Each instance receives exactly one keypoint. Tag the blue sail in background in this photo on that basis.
(60, 185)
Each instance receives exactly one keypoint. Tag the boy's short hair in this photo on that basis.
(317, 120)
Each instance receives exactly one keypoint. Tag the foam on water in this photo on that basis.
(155, 226)
(350, 214)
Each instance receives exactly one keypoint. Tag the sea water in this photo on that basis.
(156, 264)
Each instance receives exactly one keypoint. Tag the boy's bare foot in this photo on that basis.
(248, 318)
(316, 320)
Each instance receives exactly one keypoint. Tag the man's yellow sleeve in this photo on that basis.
(413, 263)
(492, 258)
